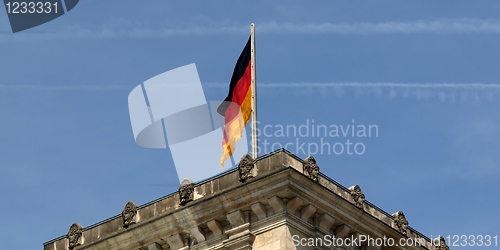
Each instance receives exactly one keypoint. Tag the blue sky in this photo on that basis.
(425, 72)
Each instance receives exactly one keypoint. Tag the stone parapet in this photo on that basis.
(231, 212)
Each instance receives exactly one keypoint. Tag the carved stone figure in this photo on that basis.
(401, 222)
(310, 168)
(357, 195)
(75, 235)
(191, 241)
(186, 191)
(245, 167)
(128, 214)
(442, 244)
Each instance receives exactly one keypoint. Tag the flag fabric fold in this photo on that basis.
(237, 106)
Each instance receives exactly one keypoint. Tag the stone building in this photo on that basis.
(277, 201)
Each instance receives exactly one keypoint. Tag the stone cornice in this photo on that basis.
(227, 212)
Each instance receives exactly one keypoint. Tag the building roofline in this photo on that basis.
(231, 170)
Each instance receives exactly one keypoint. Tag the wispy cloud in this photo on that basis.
(123, 28)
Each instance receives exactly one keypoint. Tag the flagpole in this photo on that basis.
(254, 94)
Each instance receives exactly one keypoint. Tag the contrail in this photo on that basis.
(442, 26)
(64, 87)
(484, 86)
(89, 87)
(469, 86)
(445, 92)
(153, 30)
(386, 85)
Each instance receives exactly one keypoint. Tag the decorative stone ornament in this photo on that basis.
(186, 191)
(440, 243)
(400, 222)
(310, 169)
(357, 195)
(245, 167)
(75, 235)
(191, 240)
(129, 214)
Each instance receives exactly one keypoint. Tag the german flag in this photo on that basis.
(237, 106)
